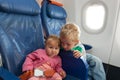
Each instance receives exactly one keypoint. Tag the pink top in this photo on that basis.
(39, 57)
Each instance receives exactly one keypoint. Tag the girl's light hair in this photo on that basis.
(70, 31)
(52, 38)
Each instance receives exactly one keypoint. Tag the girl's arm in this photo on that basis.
(28, 64)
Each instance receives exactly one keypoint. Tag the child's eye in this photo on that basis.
(56, 48)
(68, 44)
(50, 47)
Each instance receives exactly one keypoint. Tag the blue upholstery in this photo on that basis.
(6, 75)
(28, 7)
(53, 18)
(87, 46)
(20, 33)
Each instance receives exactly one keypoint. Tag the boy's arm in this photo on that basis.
(79, 48)
(78, 51)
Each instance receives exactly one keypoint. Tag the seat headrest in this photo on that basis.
(29, 7)
(56, 12)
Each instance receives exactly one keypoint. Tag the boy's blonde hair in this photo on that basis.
(70, 31)
(52, 38)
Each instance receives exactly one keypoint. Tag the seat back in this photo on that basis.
(53, 18)
(20, 32)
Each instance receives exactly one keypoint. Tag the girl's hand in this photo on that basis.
(63, 74)
(77, 54)
(26, 75)
(49, 73)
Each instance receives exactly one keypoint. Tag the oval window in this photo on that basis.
(94, 16)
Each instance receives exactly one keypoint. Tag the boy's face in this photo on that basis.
(52, 48)
(67, 44)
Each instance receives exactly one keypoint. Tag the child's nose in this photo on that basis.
(53, 49)
(64, 46)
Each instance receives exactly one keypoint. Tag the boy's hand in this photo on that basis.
(63, 74)
(77, 54)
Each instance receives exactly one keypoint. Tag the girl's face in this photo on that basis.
(52, 48)
(67, 44)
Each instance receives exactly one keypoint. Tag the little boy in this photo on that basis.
(70, 40)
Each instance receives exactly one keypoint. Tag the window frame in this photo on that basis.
(83, 16)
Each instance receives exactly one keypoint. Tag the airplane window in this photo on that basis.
(94, 17)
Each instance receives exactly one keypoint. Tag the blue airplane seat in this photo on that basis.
(87, 46)
(53, 18)
(20, 34)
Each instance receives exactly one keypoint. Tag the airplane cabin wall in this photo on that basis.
(106, 44)
(70, 8)
(115, 55)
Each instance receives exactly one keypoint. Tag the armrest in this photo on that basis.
(6, 75)
(87, 46)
